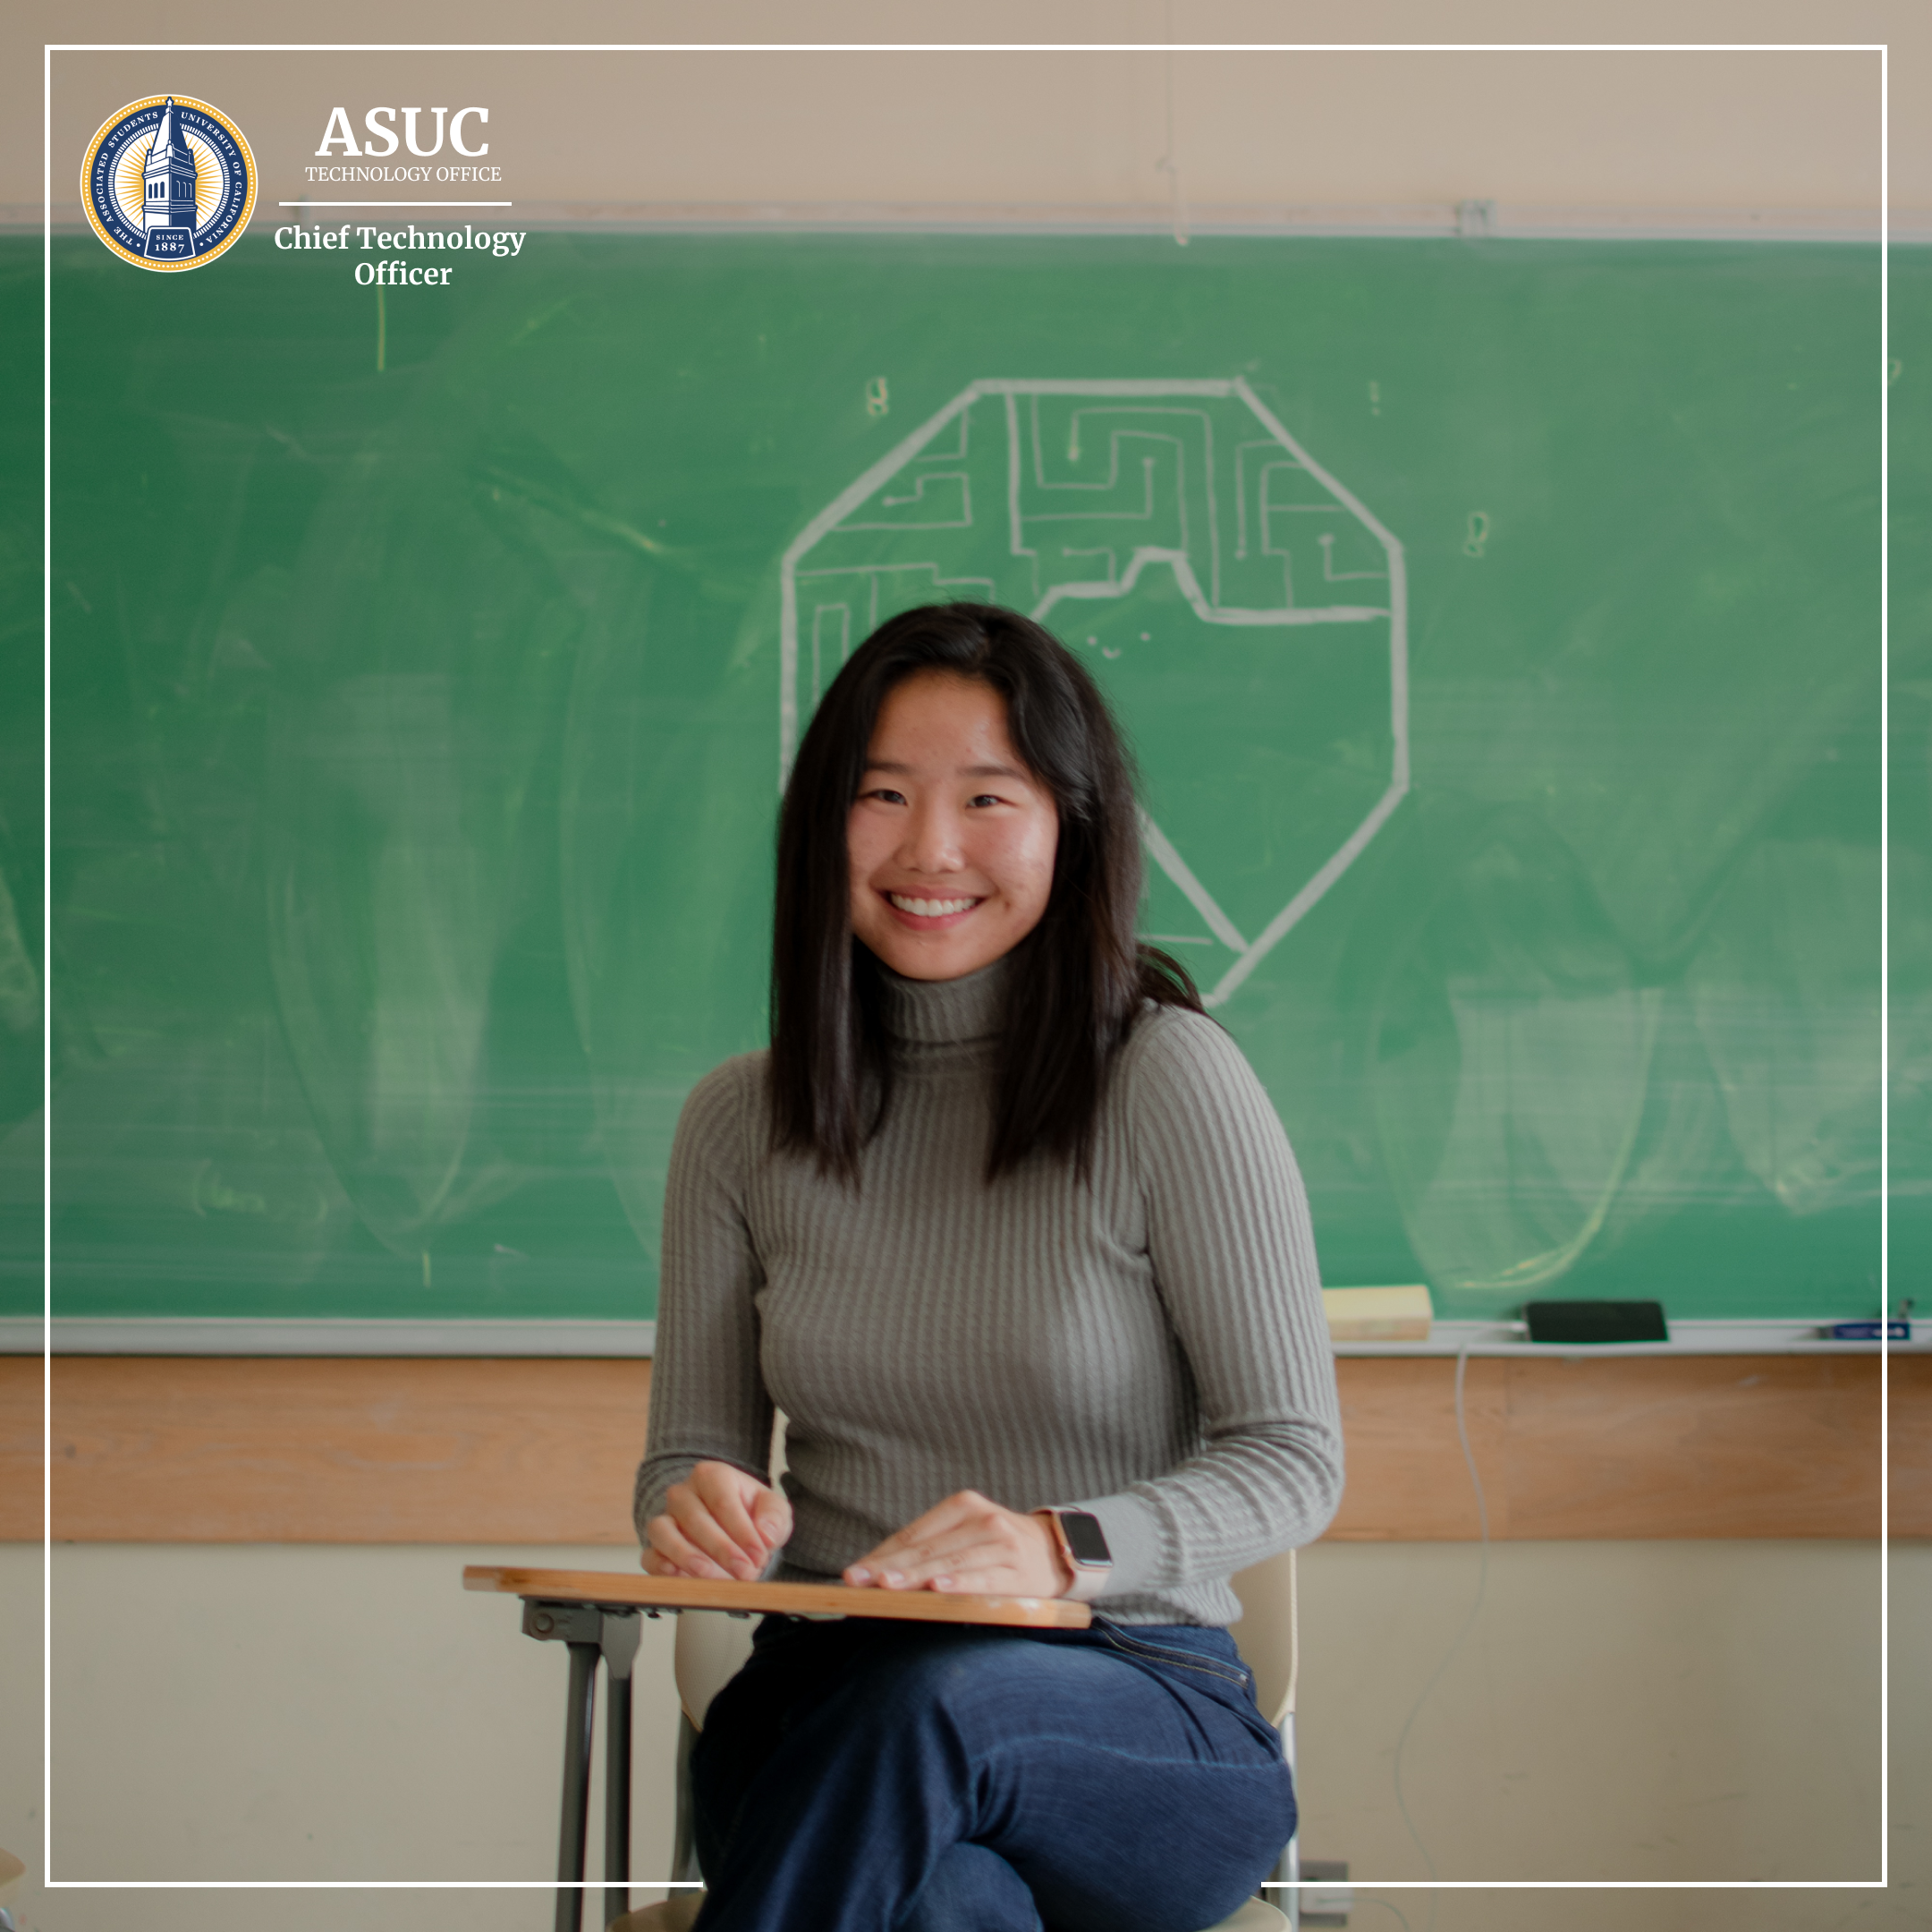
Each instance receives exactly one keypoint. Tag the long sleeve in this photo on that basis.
(1234, 1257)
(707, 1400)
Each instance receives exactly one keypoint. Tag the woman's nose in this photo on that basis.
(933, 840)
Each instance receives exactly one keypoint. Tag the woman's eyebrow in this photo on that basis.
(962, 771)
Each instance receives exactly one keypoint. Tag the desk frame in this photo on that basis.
(591, 1632)
(596, 1615)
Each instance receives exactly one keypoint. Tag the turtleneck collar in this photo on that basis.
(944, 1012)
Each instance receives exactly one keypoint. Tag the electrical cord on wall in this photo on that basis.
(1469, 1622)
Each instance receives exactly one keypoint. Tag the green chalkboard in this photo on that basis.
(1498, 624)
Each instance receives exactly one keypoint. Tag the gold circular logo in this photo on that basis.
(168, 182)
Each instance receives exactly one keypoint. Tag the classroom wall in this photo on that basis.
(1602, 131)
(1663, 1711)
(234, 1450)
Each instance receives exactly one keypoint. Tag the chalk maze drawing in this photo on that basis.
(1245, 611)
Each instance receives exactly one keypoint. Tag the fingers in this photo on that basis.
(995, 1567)
(998, 1581)
(719, 1523)
(940, 1564)
(712, 1512)
(966, 1543)
(772, 1513)
(916, 1539)
(680, 1556)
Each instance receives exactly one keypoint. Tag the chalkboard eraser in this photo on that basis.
(1591, 1322)
(1377, 1314)
(1868, 1331)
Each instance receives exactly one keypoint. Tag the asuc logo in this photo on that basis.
(168, 182)
(339, 137)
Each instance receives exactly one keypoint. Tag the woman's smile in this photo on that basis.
(926, 913)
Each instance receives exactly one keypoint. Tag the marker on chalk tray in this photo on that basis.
(1897, 1329)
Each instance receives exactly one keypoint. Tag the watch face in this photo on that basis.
(1085, 1536)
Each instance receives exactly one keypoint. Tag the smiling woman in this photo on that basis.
(1009, 1231)
(1007, 785)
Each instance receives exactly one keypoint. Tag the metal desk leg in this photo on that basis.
(592, 1632)
(621, 1630)
(581, 1627)
(575, 1826)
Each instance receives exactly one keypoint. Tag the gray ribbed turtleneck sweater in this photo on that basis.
(1150, 1345)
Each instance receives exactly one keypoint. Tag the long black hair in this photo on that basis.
(1080, 974)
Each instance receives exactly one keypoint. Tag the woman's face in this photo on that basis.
(950, 838)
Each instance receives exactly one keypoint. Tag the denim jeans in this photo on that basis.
(874, 1776)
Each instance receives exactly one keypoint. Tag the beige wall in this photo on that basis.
(1380, 134)
(1619, 1710)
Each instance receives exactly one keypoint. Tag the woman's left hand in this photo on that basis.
(968, 1544)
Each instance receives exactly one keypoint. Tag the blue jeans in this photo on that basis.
(874, 1776)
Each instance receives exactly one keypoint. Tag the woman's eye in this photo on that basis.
(984, 798)
(886, 797)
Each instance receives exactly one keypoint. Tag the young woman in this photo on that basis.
(1008, 1229)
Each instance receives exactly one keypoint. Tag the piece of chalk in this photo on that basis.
(1377, 1314)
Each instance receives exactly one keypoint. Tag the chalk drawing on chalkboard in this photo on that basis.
(1246, 612)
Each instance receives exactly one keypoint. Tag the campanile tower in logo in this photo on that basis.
(168, 190)
(168, 182)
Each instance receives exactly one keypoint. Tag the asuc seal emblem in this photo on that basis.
(168, 182)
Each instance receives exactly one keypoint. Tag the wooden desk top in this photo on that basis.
(630, 1588)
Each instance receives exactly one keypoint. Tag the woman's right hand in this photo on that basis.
(717, 1522)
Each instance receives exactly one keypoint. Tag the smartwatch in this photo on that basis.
(1084, 1545)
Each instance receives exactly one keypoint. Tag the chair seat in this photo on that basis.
(677, 1912)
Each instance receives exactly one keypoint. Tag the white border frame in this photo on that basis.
(1360, 1885)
